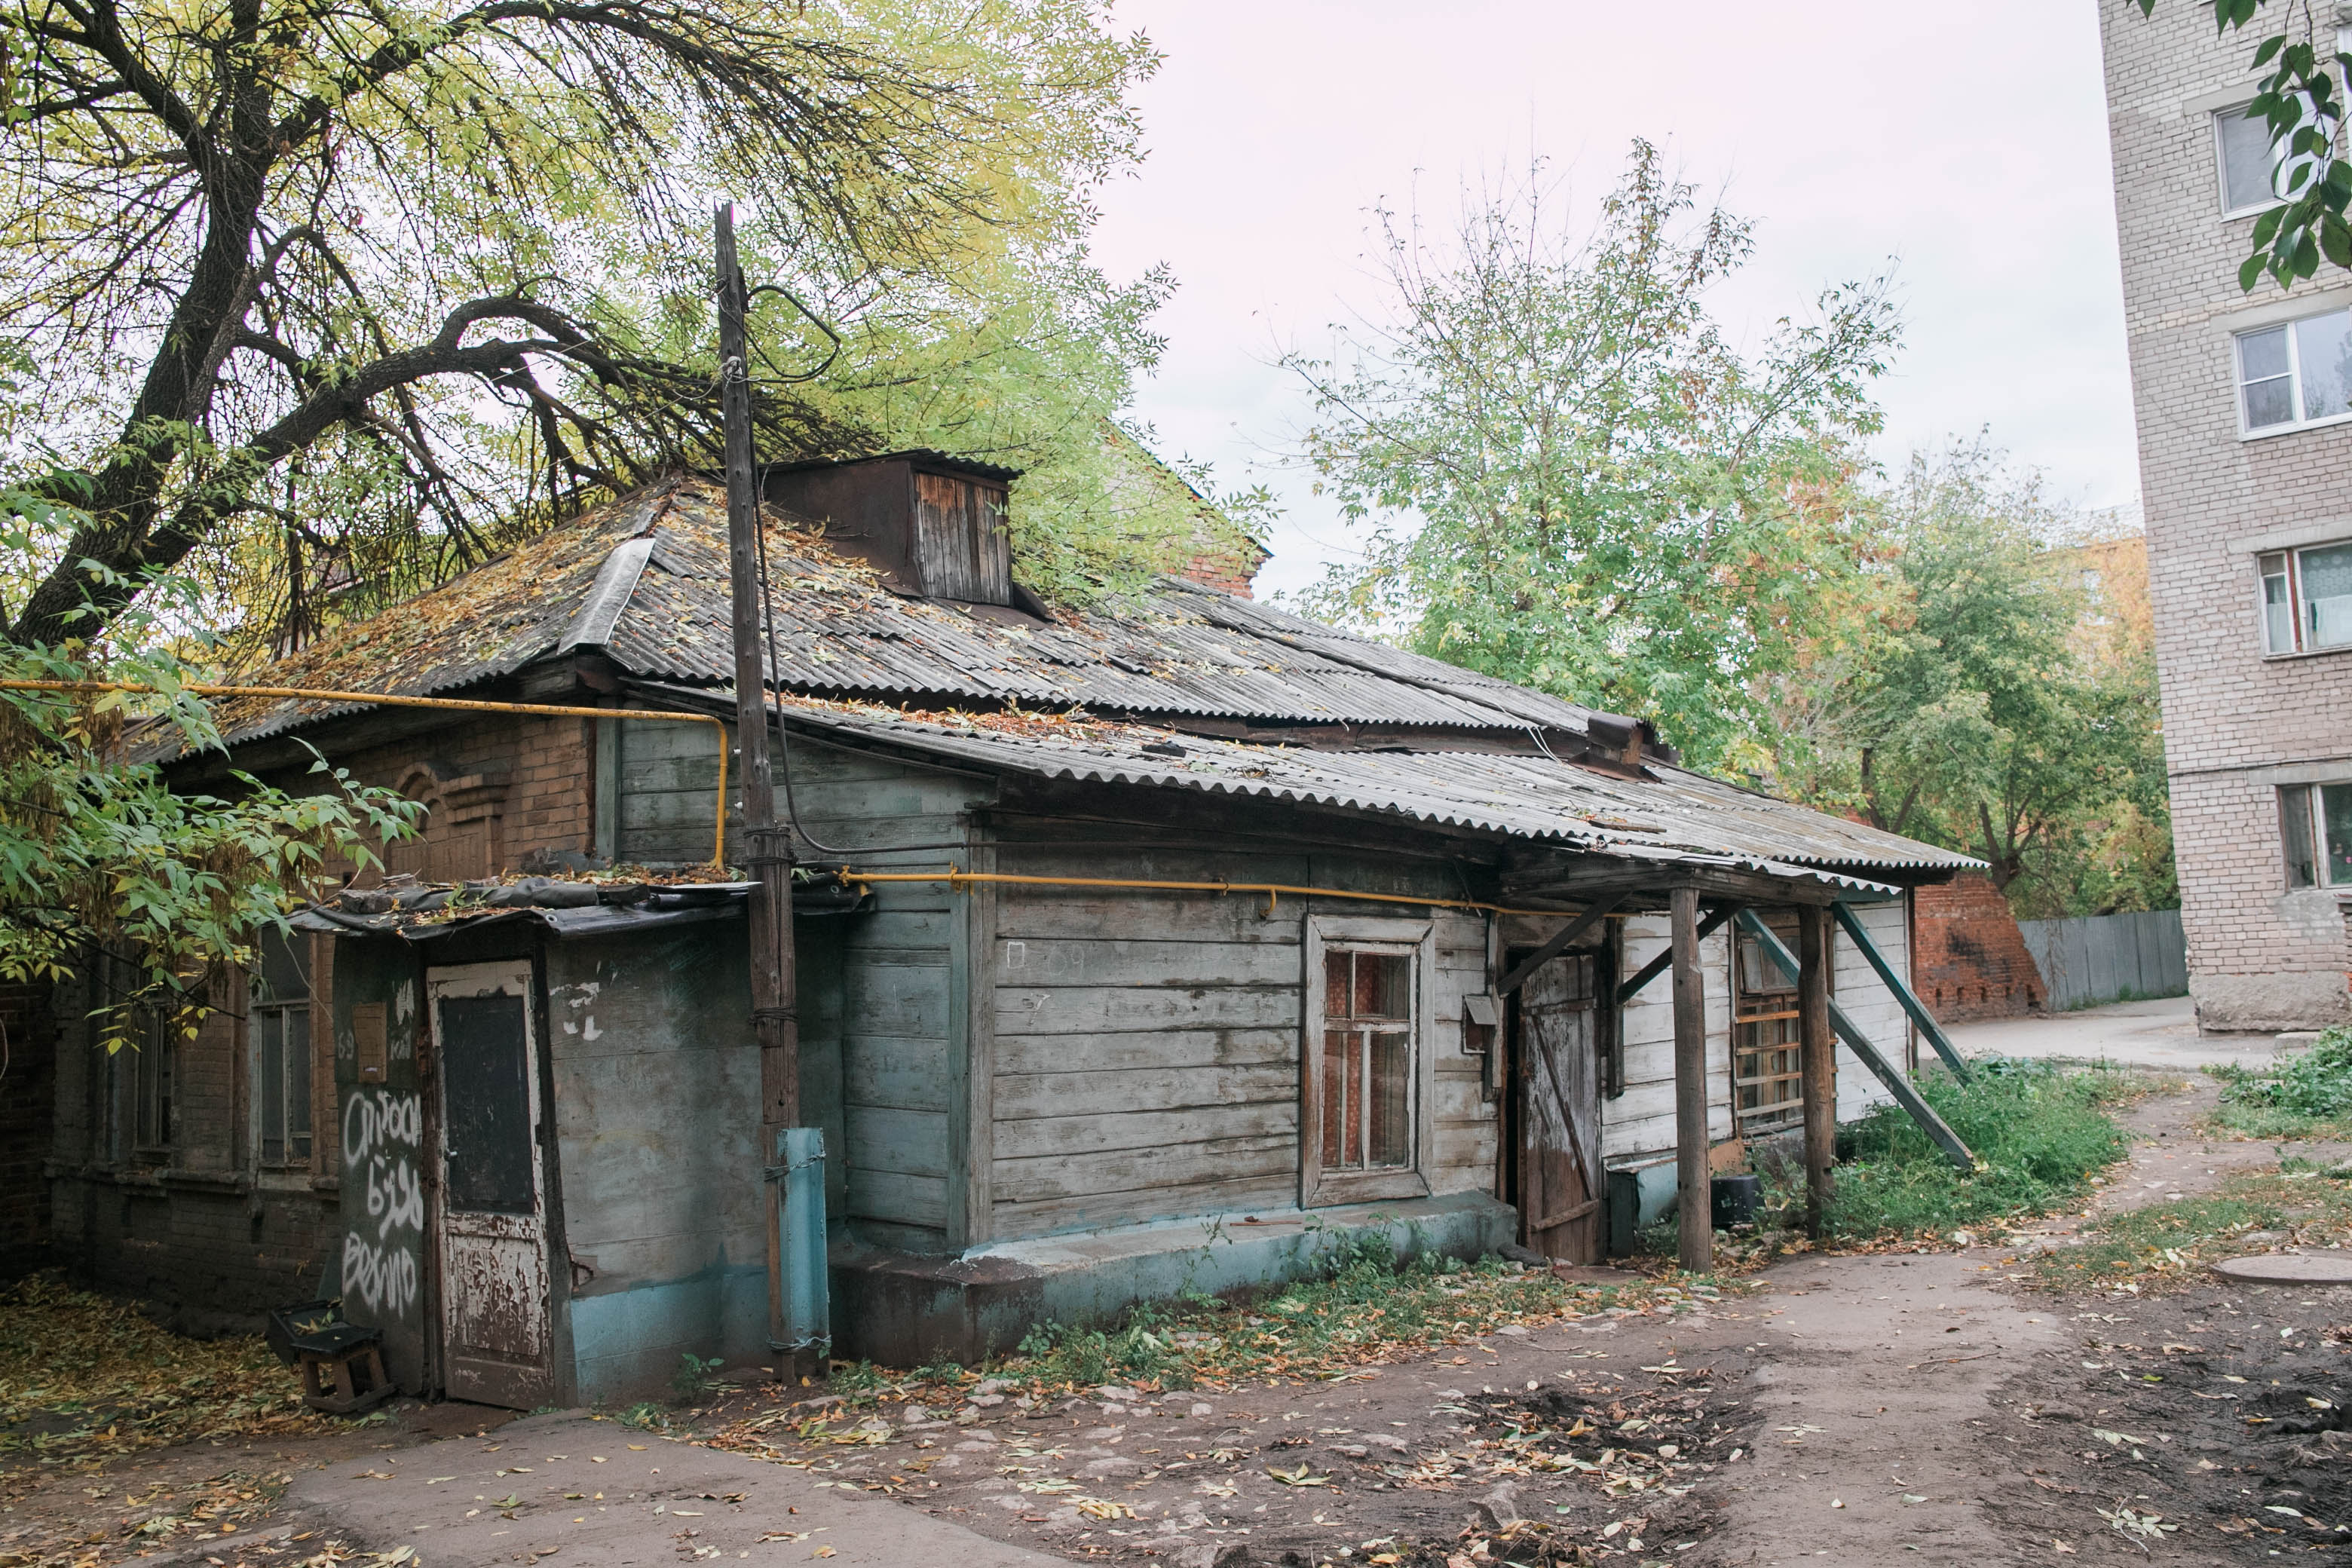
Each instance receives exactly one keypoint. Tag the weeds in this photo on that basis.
(2304, 1095)
(645, 1415)
(2306, 1206)
(695, 1377)
(2039, 1134)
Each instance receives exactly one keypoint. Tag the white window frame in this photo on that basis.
(2222, 166)
(2288, 573)
(2295, 377)
(2307, 804)
(1417, 939)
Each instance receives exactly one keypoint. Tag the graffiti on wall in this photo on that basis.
(383, 1138)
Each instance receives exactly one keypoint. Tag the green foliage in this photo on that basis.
(457, 284)
(2038, 1134)
(2295, 1097)
(1572, 481)
(695, 1377)
(107, 874)
(1972, 713)
(646, 1416)
(2299, 98)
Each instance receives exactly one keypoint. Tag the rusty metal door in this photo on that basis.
(1560, 1179)
(495, 1337)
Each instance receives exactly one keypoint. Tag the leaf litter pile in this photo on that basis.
(85, 1380)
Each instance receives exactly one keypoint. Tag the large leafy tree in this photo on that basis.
(1992, 703)
(107, 874)
(1570, 478)
(347, 277)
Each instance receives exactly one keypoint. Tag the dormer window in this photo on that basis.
(934, 526)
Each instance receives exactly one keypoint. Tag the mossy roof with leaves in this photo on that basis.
(644, 579)
(1089, 696)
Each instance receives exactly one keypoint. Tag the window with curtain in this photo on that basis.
(279, 1029)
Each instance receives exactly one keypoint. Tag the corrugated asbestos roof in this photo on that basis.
(646, 580)
(1673, 815)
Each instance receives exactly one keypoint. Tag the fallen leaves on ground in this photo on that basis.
(83, 1378)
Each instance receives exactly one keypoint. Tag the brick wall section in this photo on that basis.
(2258, 957)
(28, 1081)
(1970, 960)
(197, 1228)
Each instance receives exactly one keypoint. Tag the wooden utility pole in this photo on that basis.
(1817, 1060)
(1692, 1170)
(768, 851)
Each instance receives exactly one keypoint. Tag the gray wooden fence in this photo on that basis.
(2107, 958)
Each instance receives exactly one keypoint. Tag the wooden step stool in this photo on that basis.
(342, 1369)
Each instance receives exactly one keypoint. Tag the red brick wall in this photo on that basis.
(1970, 961)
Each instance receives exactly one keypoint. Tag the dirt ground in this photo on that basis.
(1865, 1408)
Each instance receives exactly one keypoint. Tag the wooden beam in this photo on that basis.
(1818, 1056)
(1859, 1044)
(1691, 1168)
(1657, 965)
(1903, 992)
(1558, 944)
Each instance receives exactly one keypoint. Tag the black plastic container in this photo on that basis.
(1734, 1200)
(304, 1325)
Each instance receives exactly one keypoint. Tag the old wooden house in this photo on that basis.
(1150, 946)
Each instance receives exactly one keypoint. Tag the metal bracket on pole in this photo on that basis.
(1859, 1044)
(1851, 926)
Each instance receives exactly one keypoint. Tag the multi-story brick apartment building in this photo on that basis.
(2245, 405)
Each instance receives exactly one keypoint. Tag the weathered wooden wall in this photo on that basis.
(882, 1013)
(1146, 1044)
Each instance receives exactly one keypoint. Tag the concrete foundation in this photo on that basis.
(2268, 1003)
(902, 1309)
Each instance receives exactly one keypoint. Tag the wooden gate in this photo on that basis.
(495, 1347)
(1562, 1184)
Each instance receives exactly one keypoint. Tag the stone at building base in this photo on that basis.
(900, 1309)
(2269, 1003)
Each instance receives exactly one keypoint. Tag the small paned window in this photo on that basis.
(2307, 599)
(2315, 831)
(1367, 1086)
(1767, 1055)
(2299, 372)
(280, 1029)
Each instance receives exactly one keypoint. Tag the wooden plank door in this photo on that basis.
(495, 1347)
(1561, 1184)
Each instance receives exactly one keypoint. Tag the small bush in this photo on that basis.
(2039, 1132)
(2293, 1095)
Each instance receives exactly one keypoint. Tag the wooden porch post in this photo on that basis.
(1819, 1061)
(1691, 1170)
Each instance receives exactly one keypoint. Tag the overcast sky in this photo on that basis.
(1964, 140)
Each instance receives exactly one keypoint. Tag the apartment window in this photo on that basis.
(2315, 825)
(2307, 599)
(1365, 1041)
(278, 1028)
(1766, 1057)
(2257, 172)
(2299, 372)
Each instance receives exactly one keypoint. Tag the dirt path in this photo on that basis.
(1860, 1409)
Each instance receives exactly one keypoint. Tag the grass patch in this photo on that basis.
(2306, 1096)
(2169, 1243)
(83, 1378)
(2039, 1134)
(1362, 1309)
